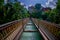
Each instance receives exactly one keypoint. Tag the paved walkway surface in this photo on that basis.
(30, 32)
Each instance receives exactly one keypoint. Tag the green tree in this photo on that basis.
(1, 11)
(37, 11)
(58, 12)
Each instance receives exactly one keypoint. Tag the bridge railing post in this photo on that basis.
(22, 24)
(38, 23)
(7, 29)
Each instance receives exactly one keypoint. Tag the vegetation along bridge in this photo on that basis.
(29, 29)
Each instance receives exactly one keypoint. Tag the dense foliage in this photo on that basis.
(54, 14)
(37, 11)
(15, 11)
(12, 11)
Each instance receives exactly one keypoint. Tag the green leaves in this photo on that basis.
(12, 11)
(54, 14)
(1, 2)
(37, 11)
(38, 6)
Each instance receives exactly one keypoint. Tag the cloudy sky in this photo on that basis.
(44, 3)
(33, 2)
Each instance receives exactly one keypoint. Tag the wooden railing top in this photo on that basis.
(56, 25)
(8, 24)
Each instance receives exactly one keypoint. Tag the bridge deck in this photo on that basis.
(21, 30)
(30, 33)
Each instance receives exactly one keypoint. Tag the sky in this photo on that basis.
(33, 2)
(51, 3)
(44, 3)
